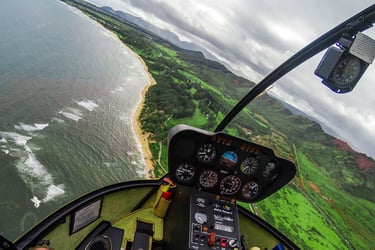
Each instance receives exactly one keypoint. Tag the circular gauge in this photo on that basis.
(270, 171)
(206, 153)
(230, 184)
(250, 165)
(229, 159)
(200, 217)
(185, 172)
(250, 190)
(208, 179)
(346, 71)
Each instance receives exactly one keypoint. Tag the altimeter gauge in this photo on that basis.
(208, 179)
(250, 190)
(185, 172)
(206, 152)
(250, 165)
(230, 184)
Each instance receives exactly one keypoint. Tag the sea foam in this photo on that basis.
(36, 201)
(117, 90)
(18, 139)
(33, 173)
(125, 118)
(55, 119)
(72, 114)
(89, 105)
(54, 191)
(120, 89)
(38, 178)
(5, 151)
(32, 169)
(31, 128)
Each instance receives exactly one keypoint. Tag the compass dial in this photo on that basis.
(206, 153)
(250, 165)
(185, 172)
(250, 190)
(230, 184)
(208, 179)
(347, 71)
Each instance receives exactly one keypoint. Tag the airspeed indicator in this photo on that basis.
(206, 153)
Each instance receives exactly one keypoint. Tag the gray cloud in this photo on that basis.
(253, 37)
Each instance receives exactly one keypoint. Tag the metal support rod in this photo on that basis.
(359, 22)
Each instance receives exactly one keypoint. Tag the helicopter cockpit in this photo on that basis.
(218, 170)
(208, 180)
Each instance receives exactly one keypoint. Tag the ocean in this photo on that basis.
(68, 91)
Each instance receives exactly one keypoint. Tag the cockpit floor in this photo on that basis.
(129, 223)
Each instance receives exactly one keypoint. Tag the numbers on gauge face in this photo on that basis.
(208, 179)
(185, 172)
(347, 71)
(270, 171)
(250, 165)
(250, 190)
(229, 159)
(206, 152)
(230, 184)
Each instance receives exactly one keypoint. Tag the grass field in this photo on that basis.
(319, 208)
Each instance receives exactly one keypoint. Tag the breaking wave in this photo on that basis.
(89, 105)
(6, 151)
(31, 128)
(55, 119)
(33, 173)
(17, 139)
(54, 191)
(118, 89)
(72, 114)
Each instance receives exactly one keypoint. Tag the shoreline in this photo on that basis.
(137, 128)
(136, 124)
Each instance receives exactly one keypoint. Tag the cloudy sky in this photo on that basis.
(252, 37)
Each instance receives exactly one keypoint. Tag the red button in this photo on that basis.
(223, 242)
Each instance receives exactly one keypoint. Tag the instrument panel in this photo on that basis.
(225, 165)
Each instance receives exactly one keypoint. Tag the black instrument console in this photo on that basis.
(221, 164)
(213, 222)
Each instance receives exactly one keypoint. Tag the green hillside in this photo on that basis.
(327, 205)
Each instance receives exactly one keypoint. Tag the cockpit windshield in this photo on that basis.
(87, 98)
(329, 138)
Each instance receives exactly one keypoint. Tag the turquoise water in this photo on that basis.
(68, 90)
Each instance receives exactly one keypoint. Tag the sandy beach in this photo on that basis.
(142, 138)
(137, 128)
